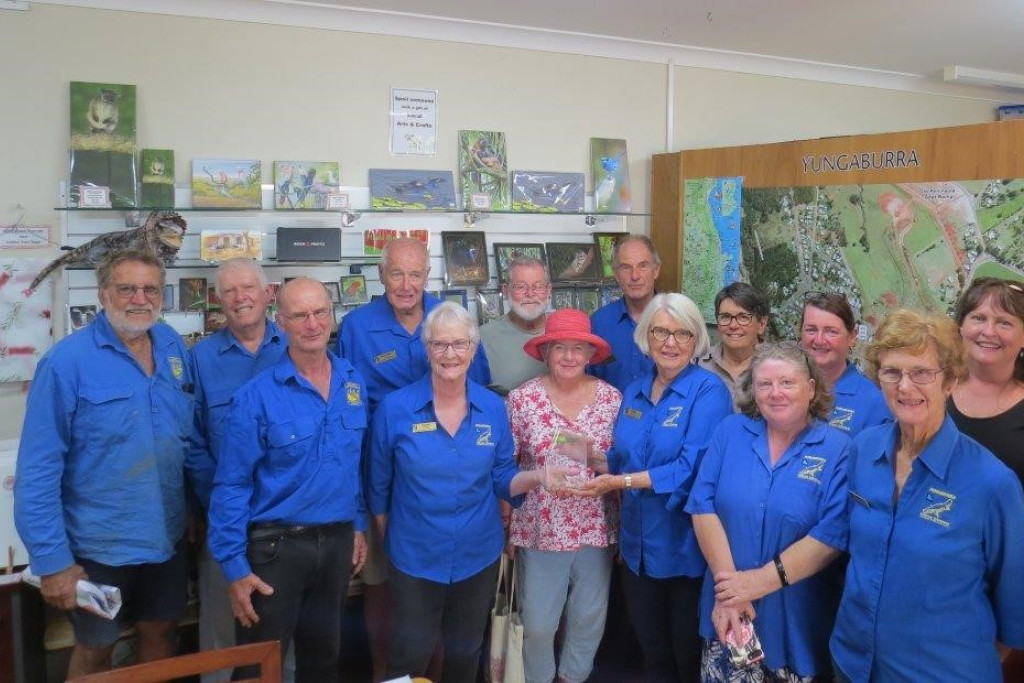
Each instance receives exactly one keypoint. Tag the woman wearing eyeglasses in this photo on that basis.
(563, 545)
(741, 311)
(660, 435)
(769, 509)
(988, 406)
(828, 332)
(936, 526)
(440, 458)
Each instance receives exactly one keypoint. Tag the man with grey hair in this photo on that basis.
(636, 266)
(100, 487)
(221, 364)
(528, 292)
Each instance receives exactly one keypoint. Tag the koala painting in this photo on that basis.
(103, 112)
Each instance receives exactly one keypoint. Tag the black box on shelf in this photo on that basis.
(309, 244)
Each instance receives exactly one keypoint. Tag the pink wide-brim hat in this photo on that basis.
(568, 324)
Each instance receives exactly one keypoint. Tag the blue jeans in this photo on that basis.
(548, 583)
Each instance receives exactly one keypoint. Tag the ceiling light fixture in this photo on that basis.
(972, 76)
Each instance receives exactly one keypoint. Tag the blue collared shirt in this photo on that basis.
(220, 365)
(441, 492)
(100, 466)
(667, 440)
(627, 364)
(859, 403)
(288, 457)
(386, 354)
(936, 577)
(764, 510)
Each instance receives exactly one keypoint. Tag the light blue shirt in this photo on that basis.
(288, 457)
(627, 363)
(667, 440)
(937, 575)
(386, 355)
(100, 466)
(859, 403)
(441, 491)
(220, 365)
(766, 508)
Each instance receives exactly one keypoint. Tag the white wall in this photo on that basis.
(231, 89)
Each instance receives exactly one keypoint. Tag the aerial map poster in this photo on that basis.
(885, 245)
(711, 239)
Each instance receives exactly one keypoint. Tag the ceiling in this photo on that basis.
(917, 37)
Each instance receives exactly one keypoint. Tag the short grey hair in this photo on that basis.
(450, 312)
(240, 263)
(681, 309)
(110, 260)
(290, 285)
(403, 242)
(528, 262)
(792, 353)
(642, 239)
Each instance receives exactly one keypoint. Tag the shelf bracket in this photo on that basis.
(470, 218)
(590, 220)
(348, 218)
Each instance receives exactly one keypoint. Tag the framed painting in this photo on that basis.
(574, 261)
(488, 305)
(588, 299)
(227, 183)
(334, 290)
(465, 258)
(534, 191)
(353, 290)
(505, 253)
(305, 185)
(399, 189)
(457, 296)
(192, 294)
(563, 297)
(606, 243)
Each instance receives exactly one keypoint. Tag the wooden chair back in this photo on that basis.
(267, 655)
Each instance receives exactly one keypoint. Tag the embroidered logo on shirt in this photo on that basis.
(633, 413)
(841, 418)
(814, 465)
(352, 393)
(673, 414)
(385, 357)
(935, 511)
(483, 435)
(177, 368)
(424, 427)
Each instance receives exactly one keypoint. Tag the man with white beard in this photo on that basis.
(528, 291)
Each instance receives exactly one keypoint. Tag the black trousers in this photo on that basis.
(665, 617)
(426, 611)
(308, 568)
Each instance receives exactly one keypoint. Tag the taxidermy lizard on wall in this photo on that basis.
(161, 234)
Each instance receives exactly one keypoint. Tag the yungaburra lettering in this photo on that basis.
(861, 161)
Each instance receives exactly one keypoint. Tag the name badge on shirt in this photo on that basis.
(385, 357)
(634, 413)
(940, 503)
(812, 468)
(352, 393)
(177, 367)
(424, 427)
(859, 499)
(483, 435)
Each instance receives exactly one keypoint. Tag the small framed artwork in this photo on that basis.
(192, 293)
(563, 297)
(80, 316)
(215, 321)
(353, 290)
(457, 296)
(606, 243)
(488, 305)
(588, 299)
(543, 191)
(465, 258)
(334, 289)
(168, 297)
(505, 253)
(212, 298)
(574, 262)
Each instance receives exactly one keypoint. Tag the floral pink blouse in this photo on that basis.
(544, 521)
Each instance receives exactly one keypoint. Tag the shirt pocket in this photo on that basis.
(106, 416)
(217, 411)
(289, 441)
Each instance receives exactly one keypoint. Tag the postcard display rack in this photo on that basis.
(79, 225)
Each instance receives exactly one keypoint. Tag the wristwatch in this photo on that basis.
(627, 479)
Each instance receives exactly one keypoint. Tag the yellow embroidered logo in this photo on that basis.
(385, 357)
(633, 413)
(353, 394)
(842, 418)
(673, 414)
(814, 465)
(935, 511)
(177, 368)
(424, 427)
(483, 435)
